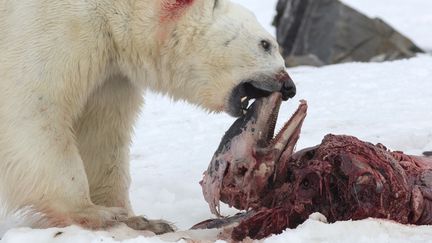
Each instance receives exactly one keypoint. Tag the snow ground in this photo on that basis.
(379, 102)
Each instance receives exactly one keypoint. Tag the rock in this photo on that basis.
(317, 32)
(309, 60)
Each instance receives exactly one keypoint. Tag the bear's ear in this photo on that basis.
(173, 9)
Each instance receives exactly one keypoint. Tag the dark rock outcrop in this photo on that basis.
(319, 32)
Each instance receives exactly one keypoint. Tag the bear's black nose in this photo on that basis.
(288, 89)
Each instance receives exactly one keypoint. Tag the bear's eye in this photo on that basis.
(266, 45)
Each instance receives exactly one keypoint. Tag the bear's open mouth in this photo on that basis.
(259, 87)
(238, 102)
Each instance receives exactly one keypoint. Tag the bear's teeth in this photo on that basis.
(244, 111)
(244, 103)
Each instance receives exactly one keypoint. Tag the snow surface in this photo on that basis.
(387, 102)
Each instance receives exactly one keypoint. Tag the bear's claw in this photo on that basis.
(156, 226)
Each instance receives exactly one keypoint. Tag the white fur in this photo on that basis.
(72, 74)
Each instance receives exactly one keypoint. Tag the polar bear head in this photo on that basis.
(215, 54)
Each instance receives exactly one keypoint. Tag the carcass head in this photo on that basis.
(244, 165)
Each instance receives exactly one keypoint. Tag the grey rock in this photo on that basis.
(330, 32)
(304, 60)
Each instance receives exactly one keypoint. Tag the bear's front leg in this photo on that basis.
(104, 136)
(103, 133)
(40, 166)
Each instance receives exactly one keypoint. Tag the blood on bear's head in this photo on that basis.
(173, 9)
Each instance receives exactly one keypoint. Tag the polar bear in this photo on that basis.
(71, 80)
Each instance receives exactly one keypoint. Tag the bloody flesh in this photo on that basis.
(343, 178)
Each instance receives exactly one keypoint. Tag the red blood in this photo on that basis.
(172, 10)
